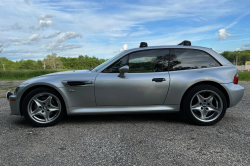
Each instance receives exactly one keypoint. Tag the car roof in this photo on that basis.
(168, 46)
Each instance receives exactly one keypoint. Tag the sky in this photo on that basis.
(32, 29)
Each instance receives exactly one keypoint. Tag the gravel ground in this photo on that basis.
(152, 139)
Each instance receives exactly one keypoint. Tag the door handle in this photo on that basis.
(158, 79)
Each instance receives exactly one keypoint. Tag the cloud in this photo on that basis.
(223, 34)
(53, 35)
(68, 35)
(34, 37)
(15, 26)
(42, 24)
(244, 47)
(237, 20)
(59, 46)
(44, 17)
(124, 47)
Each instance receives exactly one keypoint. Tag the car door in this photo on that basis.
(146, 83)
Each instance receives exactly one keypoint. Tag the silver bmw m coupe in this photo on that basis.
(195, 81)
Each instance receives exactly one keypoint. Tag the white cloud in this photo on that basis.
(68, 36)
(244, 47)
(223, 34)
(53, 35)
(59, 46)
(124, 47)
(34, 37)
(44, 17)
(42, 24)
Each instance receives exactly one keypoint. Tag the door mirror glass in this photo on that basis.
(123, 69)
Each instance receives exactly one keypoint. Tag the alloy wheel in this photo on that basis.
(44, 107)
(206, 105)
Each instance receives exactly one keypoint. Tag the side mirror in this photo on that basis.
(123, 69)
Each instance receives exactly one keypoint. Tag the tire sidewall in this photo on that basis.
(32, 94)
(187, 99)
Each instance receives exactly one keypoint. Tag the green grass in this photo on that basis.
(244, 76)
(23, 74)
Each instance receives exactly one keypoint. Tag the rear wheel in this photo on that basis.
(204, 105)
(43, 107)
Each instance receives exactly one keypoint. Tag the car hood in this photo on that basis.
(66, 73)
(55, 79)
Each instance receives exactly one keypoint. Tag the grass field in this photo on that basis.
(26, 74)
(244, 76)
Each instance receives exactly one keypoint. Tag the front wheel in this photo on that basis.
(204, 105)
(43, 107)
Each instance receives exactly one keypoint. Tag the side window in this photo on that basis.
(114, 68)
(149, 61)
(185, 59)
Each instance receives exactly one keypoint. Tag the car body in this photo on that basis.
(102, 90)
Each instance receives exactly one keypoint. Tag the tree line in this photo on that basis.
(241, 56)
(52, 61)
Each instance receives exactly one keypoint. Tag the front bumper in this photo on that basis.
(14, 105)
(235, 93)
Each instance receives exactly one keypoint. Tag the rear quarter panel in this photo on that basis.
(181, 81)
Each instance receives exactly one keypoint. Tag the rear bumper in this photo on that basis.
(235, 93)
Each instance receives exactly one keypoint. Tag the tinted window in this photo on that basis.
(184, 59)
(148, 61)
(114, 68)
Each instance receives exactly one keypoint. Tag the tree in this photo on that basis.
(53, 62)
(242, 56)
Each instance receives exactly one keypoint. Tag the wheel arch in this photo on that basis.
(27, 91)
(215, 84)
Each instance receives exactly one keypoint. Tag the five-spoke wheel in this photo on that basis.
(43, 107)
(204, 105)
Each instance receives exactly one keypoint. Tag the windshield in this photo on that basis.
(104, 63)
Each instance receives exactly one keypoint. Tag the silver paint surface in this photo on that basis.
(136, 91)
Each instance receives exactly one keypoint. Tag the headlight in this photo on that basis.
(23, 84)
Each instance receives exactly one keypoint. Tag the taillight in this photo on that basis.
(236, 79)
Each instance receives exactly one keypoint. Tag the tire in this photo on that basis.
(43, 107)
(204, 105)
